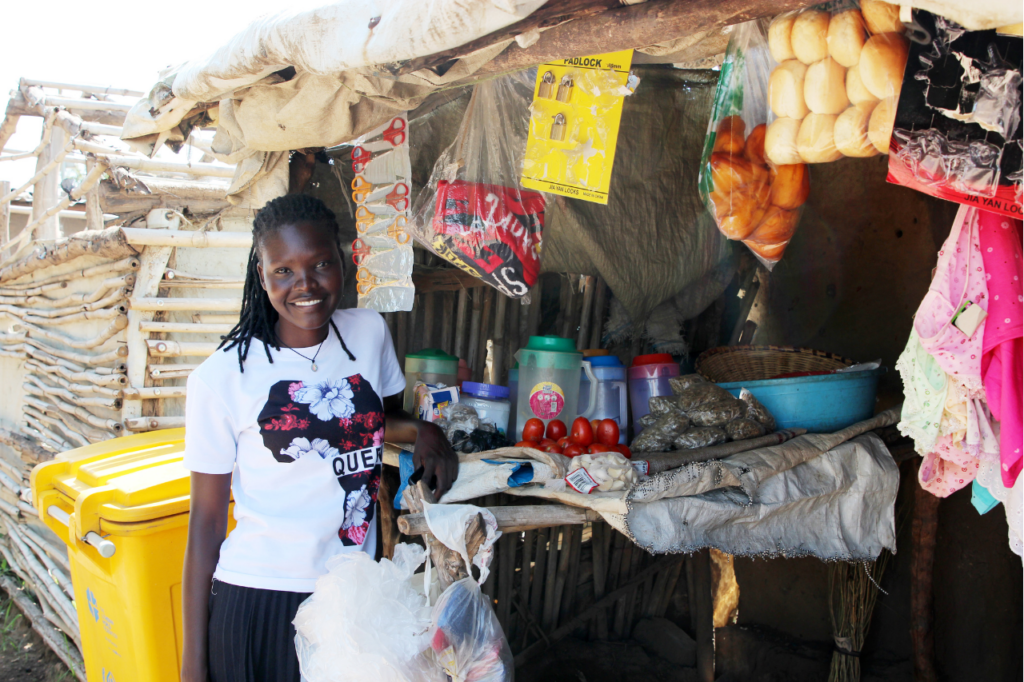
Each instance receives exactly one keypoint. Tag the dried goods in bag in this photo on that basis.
(700, 437)
(743, 428)
(680, 384)
(658, 437)
(717, 413)
(757, 411)
(754, 194)
(698, 394)
(473, 212)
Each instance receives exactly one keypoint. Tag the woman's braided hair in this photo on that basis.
(258, 317)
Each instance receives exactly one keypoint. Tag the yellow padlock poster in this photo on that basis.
(574, 125)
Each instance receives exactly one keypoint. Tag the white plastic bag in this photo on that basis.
(366, 621)
(448, 523)
(466, 638)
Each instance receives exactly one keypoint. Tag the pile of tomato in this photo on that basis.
(587, 437)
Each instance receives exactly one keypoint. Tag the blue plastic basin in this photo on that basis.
(820, 404)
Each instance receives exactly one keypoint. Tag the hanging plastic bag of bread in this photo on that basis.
(751, 198)
(834, 91)
(473, 212)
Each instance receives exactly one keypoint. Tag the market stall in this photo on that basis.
(576, 233)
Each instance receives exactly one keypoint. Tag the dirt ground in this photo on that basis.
(23, 655)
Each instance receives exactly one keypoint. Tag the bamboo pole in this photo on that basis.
(44, 390)
(136, 424)
(61, 281)
(78, 412)
(72, 432)
(599, 550)
(84, 89)
(401, 339)
(447, 315)
(44, 141)
(164, 372)
(45, 194)
(514, 519)
(54, 440)
(177, 349)
(183, 327)
(8, 126)
(140, 236)
(461, 314)
(116, 325)
(506, 573)
(600, 305)
(485, 325)
(156, 304)
(109, 243)
(100, 382)
(85, 104)
(539, 573)
(113, 157)
(30, 452)
(474, 329)
(5, 213)
(547, 612)
(495, 370)
(583, 336)
(153, 393)
(533, 317)
(82, 298)
(567, 592)
(511, 336)
(41, 173)
(525, 577)
(96, 310)
(78, 389)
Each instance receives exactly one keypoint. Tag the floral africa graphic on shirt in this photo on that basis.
(339, 421)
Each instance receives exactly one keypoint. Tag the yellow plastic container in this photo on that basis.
(122, 507)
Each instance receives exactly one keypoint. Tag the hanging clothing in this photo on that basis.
(1002, 367)
(959, 277)
(924, 391)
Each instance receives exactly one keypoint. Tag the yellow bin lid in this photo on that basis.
(123, 480)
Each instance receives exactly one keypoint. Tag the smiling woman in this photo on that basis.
(302, 428)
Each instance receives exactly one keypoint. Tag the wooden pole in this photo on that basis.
(5, 213)
(539, 573)
(461, 313)
(514, 519)
(485, 325)
(600, 304)
(924, 527)
(93, 210)
(429, 324)
(533, 315)
(702, 605)
(496, 369)
(402, 336)
(583, 336)
(474, 328)
(547, 614)
(47, 189)
(447, 314)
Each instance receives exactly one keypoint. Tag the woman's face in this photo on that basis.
(301, 270)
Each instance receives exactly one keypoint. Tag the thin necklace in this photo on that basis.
(312, 360)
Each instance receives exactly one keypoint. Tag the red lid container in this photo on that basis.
(653, 359)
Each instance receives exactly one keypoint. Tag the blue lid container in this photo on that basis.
(487, 391)
(821, 404)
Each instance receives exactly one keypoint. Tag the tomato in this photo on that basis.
(596, 448)
(624, 451)
(573, 450)
(607, 432)
(544, 442)
(556, 429)
(533, 429)
(553, 448)
(582, 433)
(594, 423)
(563, 441)
(527, 444)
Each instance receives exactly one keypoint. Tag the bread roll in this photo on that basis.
(790, 186)
(786, 89)
(851, 131)
(729, 137)
(882, 62)
(740, 211)
(881, 17)
(780, 141)
(846, 36)
(729, 172)
(855, 90)
(778, 37)
(809, 36)
(880, 124)
(814, 142)
(777, 226)
(753, 150)
(825, 87)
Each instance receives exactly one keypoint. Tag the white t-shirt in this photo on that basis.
(305, 448)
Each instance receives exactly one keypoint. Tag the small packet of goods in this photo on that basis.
(602, 472)
(431, 400)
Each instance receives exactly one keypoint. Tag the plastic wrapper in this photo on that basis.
(386, 641)
(743, 428)
(658, 437)
(602, 472)
(383, 251)
(717, 413)
(957, 133)
(661, 405)
(647, 420)
(680, 384)
(757, 411)
(838, 78)
(473, 211)
(700, 437)
(698, 394)
(459, 417)
(754, 197)
(466, 640)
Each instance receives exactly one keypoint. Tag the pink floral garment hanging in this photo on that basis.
(959, 277)
(1002, 366)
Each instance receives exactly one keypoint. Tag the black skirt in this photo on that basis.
(251, 636)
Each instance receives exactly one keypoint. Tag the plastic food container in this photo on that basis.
(122, 506)
(431, 366)
(611, 391)
(549, 381)
(648, 377)
(821, 404)
(490, 402)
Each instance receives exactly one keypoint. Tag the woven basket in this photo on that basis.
(754, 363)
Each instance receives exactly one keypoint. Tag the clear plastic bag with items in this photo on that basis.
(473, 212)
(466, 639)
(838, 79)
(752, 197)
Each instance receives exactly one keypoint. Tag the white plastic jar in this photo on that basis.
(490, 402)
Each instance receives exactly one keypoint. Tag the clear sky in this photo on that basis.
(122, 44)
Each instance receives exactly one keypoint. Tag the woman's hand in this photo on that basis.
(432, 451)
